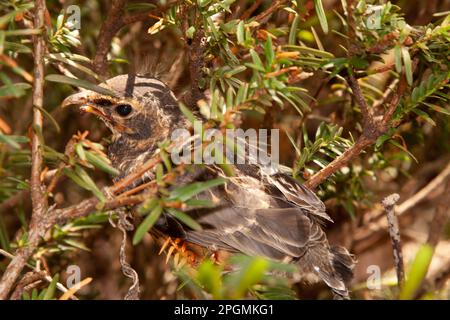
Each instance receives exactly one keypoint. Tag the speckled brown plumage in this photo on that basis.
(257, 212)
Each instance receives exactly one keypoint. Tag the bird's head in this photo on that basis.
(140, 112)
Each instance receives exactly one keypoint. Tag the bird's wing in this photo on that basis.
(281, 185)
(298, 194)
(273, 233)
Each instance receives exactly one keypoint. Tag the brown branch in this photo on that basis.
(53, 217)
(115, 21)
(128, 180)
(84, 208)
(31, 280)
(273, 7)
(38, 197)
(36, 269)
(196, 56)
(108, 30)
(359, 97)
(247, 13)
(339, 162)
(394, 233)
(372, 129)
(196, 52)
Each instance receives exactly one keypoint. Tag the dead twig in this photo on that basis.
(124, 225)
(425, 191)
(394, 233)
(378, 225)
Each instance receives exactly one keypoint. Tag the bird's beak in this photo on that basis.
(84, 100)
(79, 98)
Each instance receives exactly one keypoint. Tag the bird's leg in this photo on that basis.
(164, 245)
(179, 247)
(215, 257)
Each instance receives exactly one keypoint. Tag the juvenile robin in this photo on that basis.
(257, 213)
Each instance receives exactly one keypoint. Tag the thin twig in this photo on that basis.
(69, 150)
(359, 97)
(247, 13)
(273, 7)
(425, 191)
(38, 198)
(387, 92)
(31, 280)
(237, 9)
(377, 225)
(131, 178)
(124, 225)
(394, 232)
(49, 279)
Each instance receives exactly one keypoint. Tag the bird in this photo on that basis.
(257, 212)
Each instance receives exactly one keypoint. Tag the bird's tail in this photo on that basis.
(333, 265)
(343, 264)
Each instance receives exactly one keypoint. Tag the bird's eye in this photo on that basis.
(123, 109)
